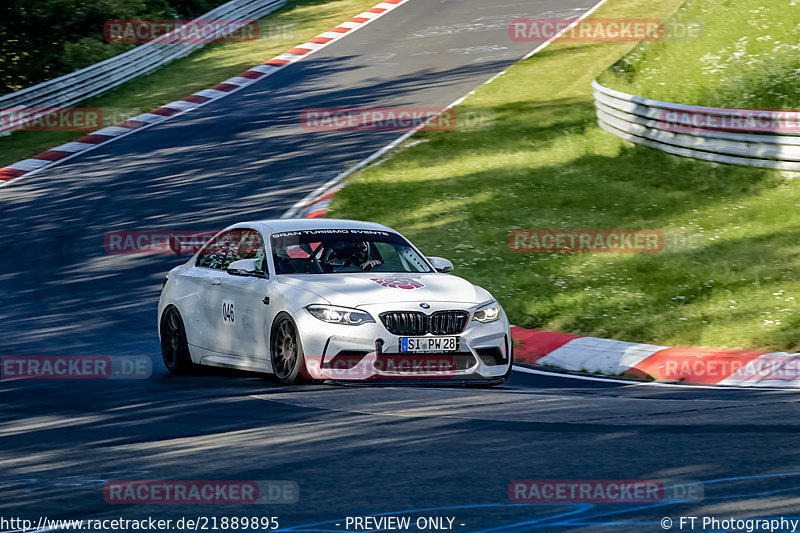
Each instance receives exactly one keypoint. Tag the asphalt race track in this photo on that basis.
(443, 452)
(357, 450)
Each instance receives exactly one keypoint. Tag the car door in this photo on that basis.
(234, 308)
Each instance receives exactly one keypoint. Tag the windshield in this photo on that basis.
(344, 250)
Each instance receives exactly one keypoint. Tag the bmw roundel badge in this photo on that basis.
(425, 306)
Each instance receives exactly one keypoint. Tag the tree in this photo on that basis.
(44, 39)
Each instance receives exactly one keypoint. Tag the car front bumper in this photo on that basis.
(369, 352)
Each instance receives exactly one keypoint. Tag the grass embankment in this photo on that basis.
(296, 22)
(749, 57)
(546, 164)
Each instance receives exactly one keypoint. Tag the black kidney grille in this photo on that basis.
(405, 322)
(447, 322)
(416, 323)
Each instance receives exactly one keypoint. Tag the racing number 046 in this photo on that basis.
(228, 313)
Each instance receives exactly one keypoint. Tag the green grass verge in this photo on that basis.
(546, 164)
(296, 22)
(748, 57)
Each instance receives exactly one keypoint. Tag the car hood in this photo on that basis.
(354, 290)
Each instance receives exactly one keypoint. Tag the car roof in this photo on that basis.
(295, 224)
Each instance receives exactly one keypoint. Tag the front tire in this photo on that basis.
(286, 353)
(174, 346)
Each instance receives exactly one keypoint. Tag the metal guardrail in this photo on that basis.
(757, 138)
(100, 77)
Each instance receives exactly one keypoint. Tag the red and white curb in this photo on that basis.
(319, 207)
(59, 154)
(738, 368)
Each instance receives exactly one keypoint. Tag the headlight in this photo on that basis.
(340, 315)
(490, 313)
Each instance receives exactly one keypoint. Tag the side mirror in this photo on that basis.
(441, 264)
(245, 267)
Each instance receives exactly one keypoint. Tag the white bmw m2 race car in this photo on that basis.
(329, 300)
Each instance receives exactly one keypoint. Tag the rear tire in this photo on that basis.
(174, 346)
(286, 353)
